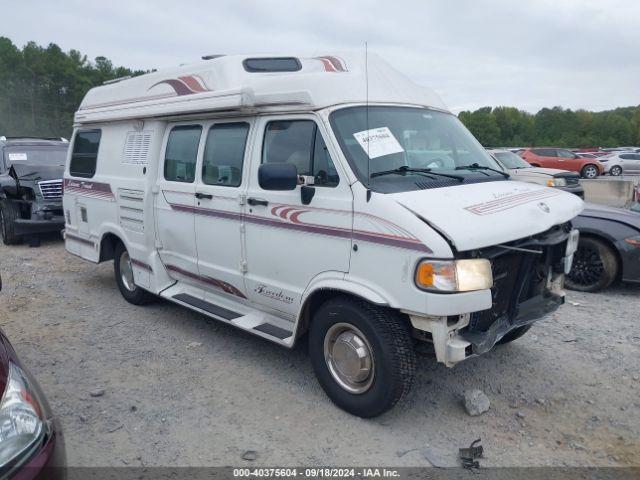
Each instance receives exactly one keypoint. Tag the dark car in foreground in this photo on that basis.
(609, 248)
(31, 443)
(31, 171)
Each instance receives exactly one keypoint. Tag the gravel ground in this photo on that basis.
(184, 390)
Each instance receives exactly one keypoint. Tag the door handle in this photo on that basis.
(200, 196)
(257, 201)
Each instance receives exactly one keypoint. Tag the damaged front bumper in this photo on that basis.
(528, 285)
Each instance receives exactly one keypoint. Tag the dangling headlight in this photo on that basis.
(22, 425)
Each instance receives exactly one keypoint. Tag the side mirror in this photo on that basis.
(278, 176)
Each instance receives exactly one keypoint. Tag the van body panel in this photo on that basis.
(514, 209)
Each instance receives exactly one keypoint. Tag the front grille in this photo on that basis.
(51, 189)
(573, 180)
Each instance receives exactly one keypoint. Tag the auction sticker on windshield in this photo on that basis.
(17, 157)
(378, 142)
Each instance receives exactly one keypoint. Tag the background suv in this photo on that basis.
(31, 171)
(563, 159)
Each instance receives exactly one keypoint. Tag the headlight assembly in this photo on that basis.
(557, 182)
(454, 275)
(22, 424)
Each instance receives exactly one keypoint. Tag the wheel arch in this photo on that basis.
(590, 164)
(328, 288)
(108, 243)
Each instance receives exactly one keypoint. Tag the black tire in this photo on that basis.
(615, 171)
(9, 212)
(590, 171)
(135, 294)
(394, 360)
(514, 334)
(595, 266)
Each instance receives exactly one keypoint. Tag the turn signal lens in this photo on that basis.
(454, 275)
(633, 241)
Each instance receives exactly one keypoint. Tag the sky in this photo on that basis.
(524, 53)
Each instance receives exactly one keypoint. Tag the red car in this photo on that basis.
(564, 160)
(31, 444)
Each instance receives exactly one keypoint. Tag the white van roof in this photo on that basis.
(254, 83)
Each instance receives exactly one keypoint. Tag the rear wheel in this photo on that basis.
(590, 171)
(616, 170)
(9, 213)
(123, 269)
(595, 266)
(362, 354)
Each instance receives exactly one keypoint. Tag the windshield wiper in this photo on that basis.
(404, 169)
(477, 166)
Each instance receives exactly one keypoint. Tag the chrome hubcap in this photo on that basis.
(126, 272)
(349, 357)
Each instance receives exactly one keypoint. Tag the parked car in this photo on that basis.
(31, 172)
(31, 441)
(608, 249)
(274, 195)
(551, 177)
(563, 159)
(618, 163)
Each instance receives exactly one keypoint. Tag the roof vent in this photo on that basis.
(211, 57)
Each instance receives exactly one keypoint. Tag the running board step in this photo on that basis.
(207, 307)
(273, 330)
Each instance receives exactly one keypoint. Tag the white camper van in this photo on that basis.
(319, 195)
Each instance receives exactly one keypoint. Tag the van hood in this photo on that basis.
(485, 214)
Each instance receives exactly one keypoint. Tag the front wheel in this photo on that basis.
(123, 269)
(590, 171)
(615, 170)
(9, 213)
(594, 268)
(362, 355)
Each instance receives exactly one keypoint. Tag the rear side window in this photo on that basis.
(627, 156)
(224, 154)
(300, 143)
(84, 156)
(544, 152)
(182, 153)
(565, 154)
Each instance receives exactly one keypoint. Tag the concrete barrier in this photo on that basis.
(609, 191)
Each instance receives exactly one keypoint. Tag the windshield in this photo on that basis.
(379, 139)
(511, 160)
(50, 155)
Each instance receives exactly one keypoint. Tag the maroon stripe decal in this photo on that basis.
(75, 238)
(380, 238)
(142, 265)
(224, 286)
(89, 189)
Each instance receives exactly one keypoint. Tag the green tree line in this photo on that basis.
(42, 87)
(508, 126)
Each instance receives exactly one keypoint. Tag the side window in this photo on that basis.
(565, 154)
(84, 155)
(182, 153)
(224, 154)
(299, 142)
(627, 156)
(324, 171)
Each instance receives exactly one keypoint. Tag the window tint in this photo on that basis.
(627, 156)
(300, 143)
(224, 154)
(565, 154)
(281, 64)
(181, 153)
(544, 152)
(324, 172)
(85, 153)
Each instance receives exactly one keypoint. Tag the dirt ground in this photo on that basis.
(184, 390)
